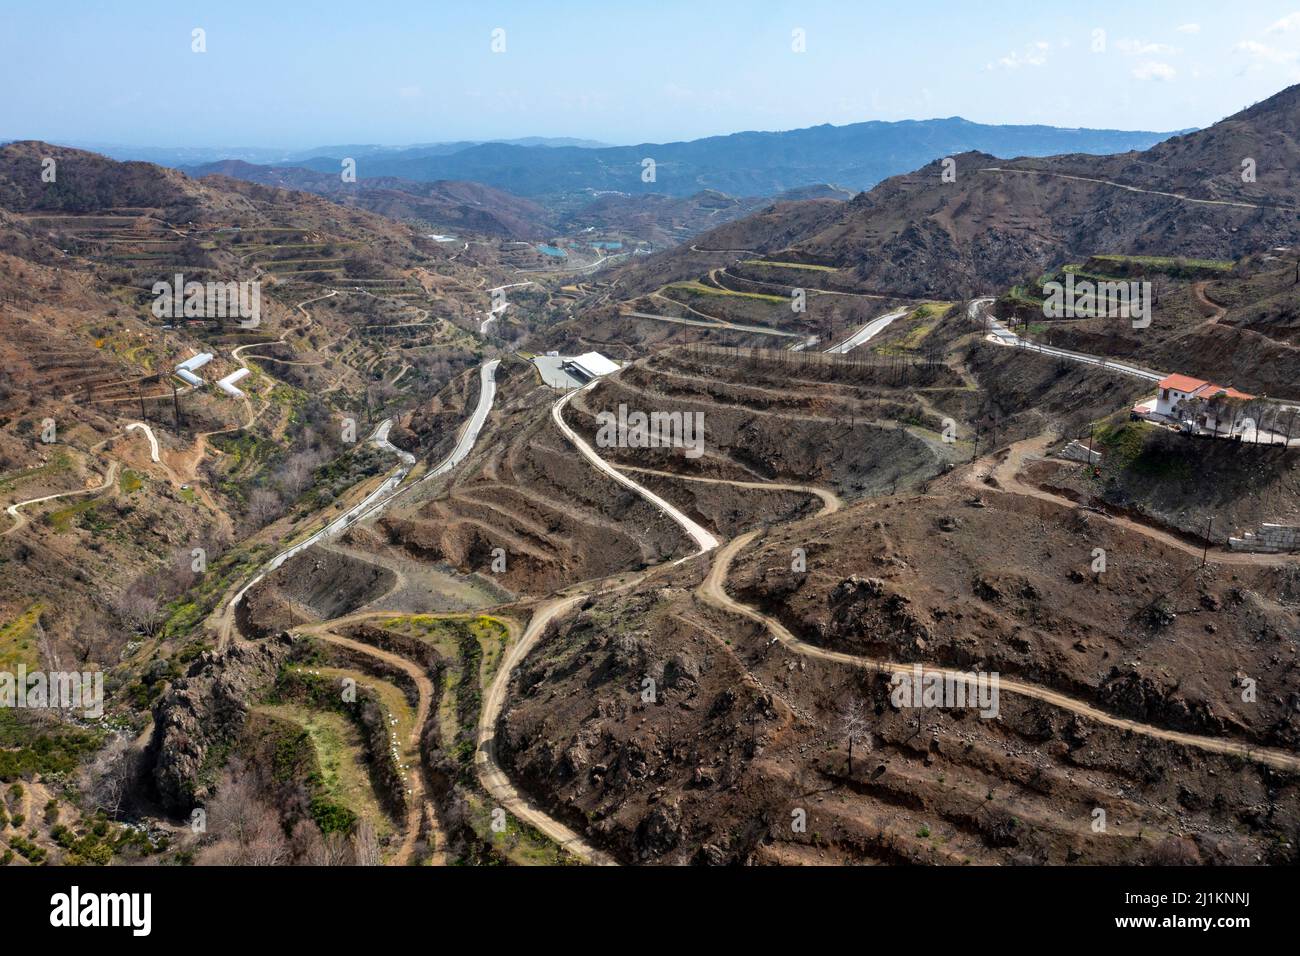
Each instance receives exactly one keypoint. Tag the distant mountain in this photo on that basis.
(1000, 220)
(742, 164)
(199, 155)
(455, 206)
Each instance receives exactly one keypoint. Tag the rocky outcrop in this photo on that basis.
(205, 710)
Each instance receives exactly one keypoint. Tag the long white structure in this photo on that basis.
(227, 384)
(185, 370)
(195, 362)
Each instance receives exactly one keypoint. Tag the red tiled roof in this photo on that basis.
(1215, 391)
(1201, 388)
(1183, 383)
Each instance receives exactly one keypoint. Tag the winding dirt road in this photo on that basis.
(490, 774)
(148, 433)
(1203, 296)
(1004, 468)
(14, 510)
(1136, 189)
(417, 801)
(713, 591)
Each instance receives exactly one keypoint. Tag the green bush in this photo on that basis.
(331, 817)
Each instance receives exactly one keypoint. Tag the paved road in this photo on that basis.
(380, 439)
(752, 252)
(382, 496)
(716, 324)
(148, 432)
(496, 310)
(867, 332)
(486, 396)
(1001, 335)
(335, 527)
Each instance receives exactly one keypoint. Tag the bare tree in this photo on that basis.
(854, 724)
(247, 829)
(263, 506)
(331, 849)
(139, 608)
(89, 639)
(365, 844)
(298, 472)
(111, 775)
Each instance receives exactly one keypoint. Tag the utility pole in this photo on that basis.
(1208, 530)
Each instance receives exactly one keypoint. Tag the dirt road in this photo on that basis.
(14, 510)
(713, 591)
(489, 770)
(1004, 471)
(416, 800)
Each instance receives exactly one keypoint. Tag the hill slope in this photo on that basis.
(995, 221)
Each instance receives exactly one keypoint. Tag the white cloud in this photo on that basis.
(1264, 52)
(1287, 24)
(1190, 28)
(1034, 54)
(410, 92)
(1133, 47)
(1154, 70)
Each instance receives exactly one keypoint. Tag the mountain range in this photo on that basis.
(855, 157)
(1216, 193)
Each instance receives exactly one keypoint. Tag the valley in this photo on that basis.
(533, 529)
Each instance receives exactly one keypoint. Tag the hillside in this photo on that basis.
(458, 206)
(1000, 220)
(113, 472)
(657, 219)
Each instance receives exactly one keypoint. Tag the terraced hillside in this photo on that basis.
(1121, 692)
(531, 496)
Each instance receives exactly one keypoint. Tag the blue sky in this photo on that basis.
(296, 74)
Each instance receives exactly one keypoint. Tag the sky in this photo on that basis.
(285, 73)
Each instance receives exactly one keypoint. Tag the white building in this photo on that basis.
(227, 384)
(1183, 399)
(572, 371)
(590, 365)
(185, 370)
(195, 362)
